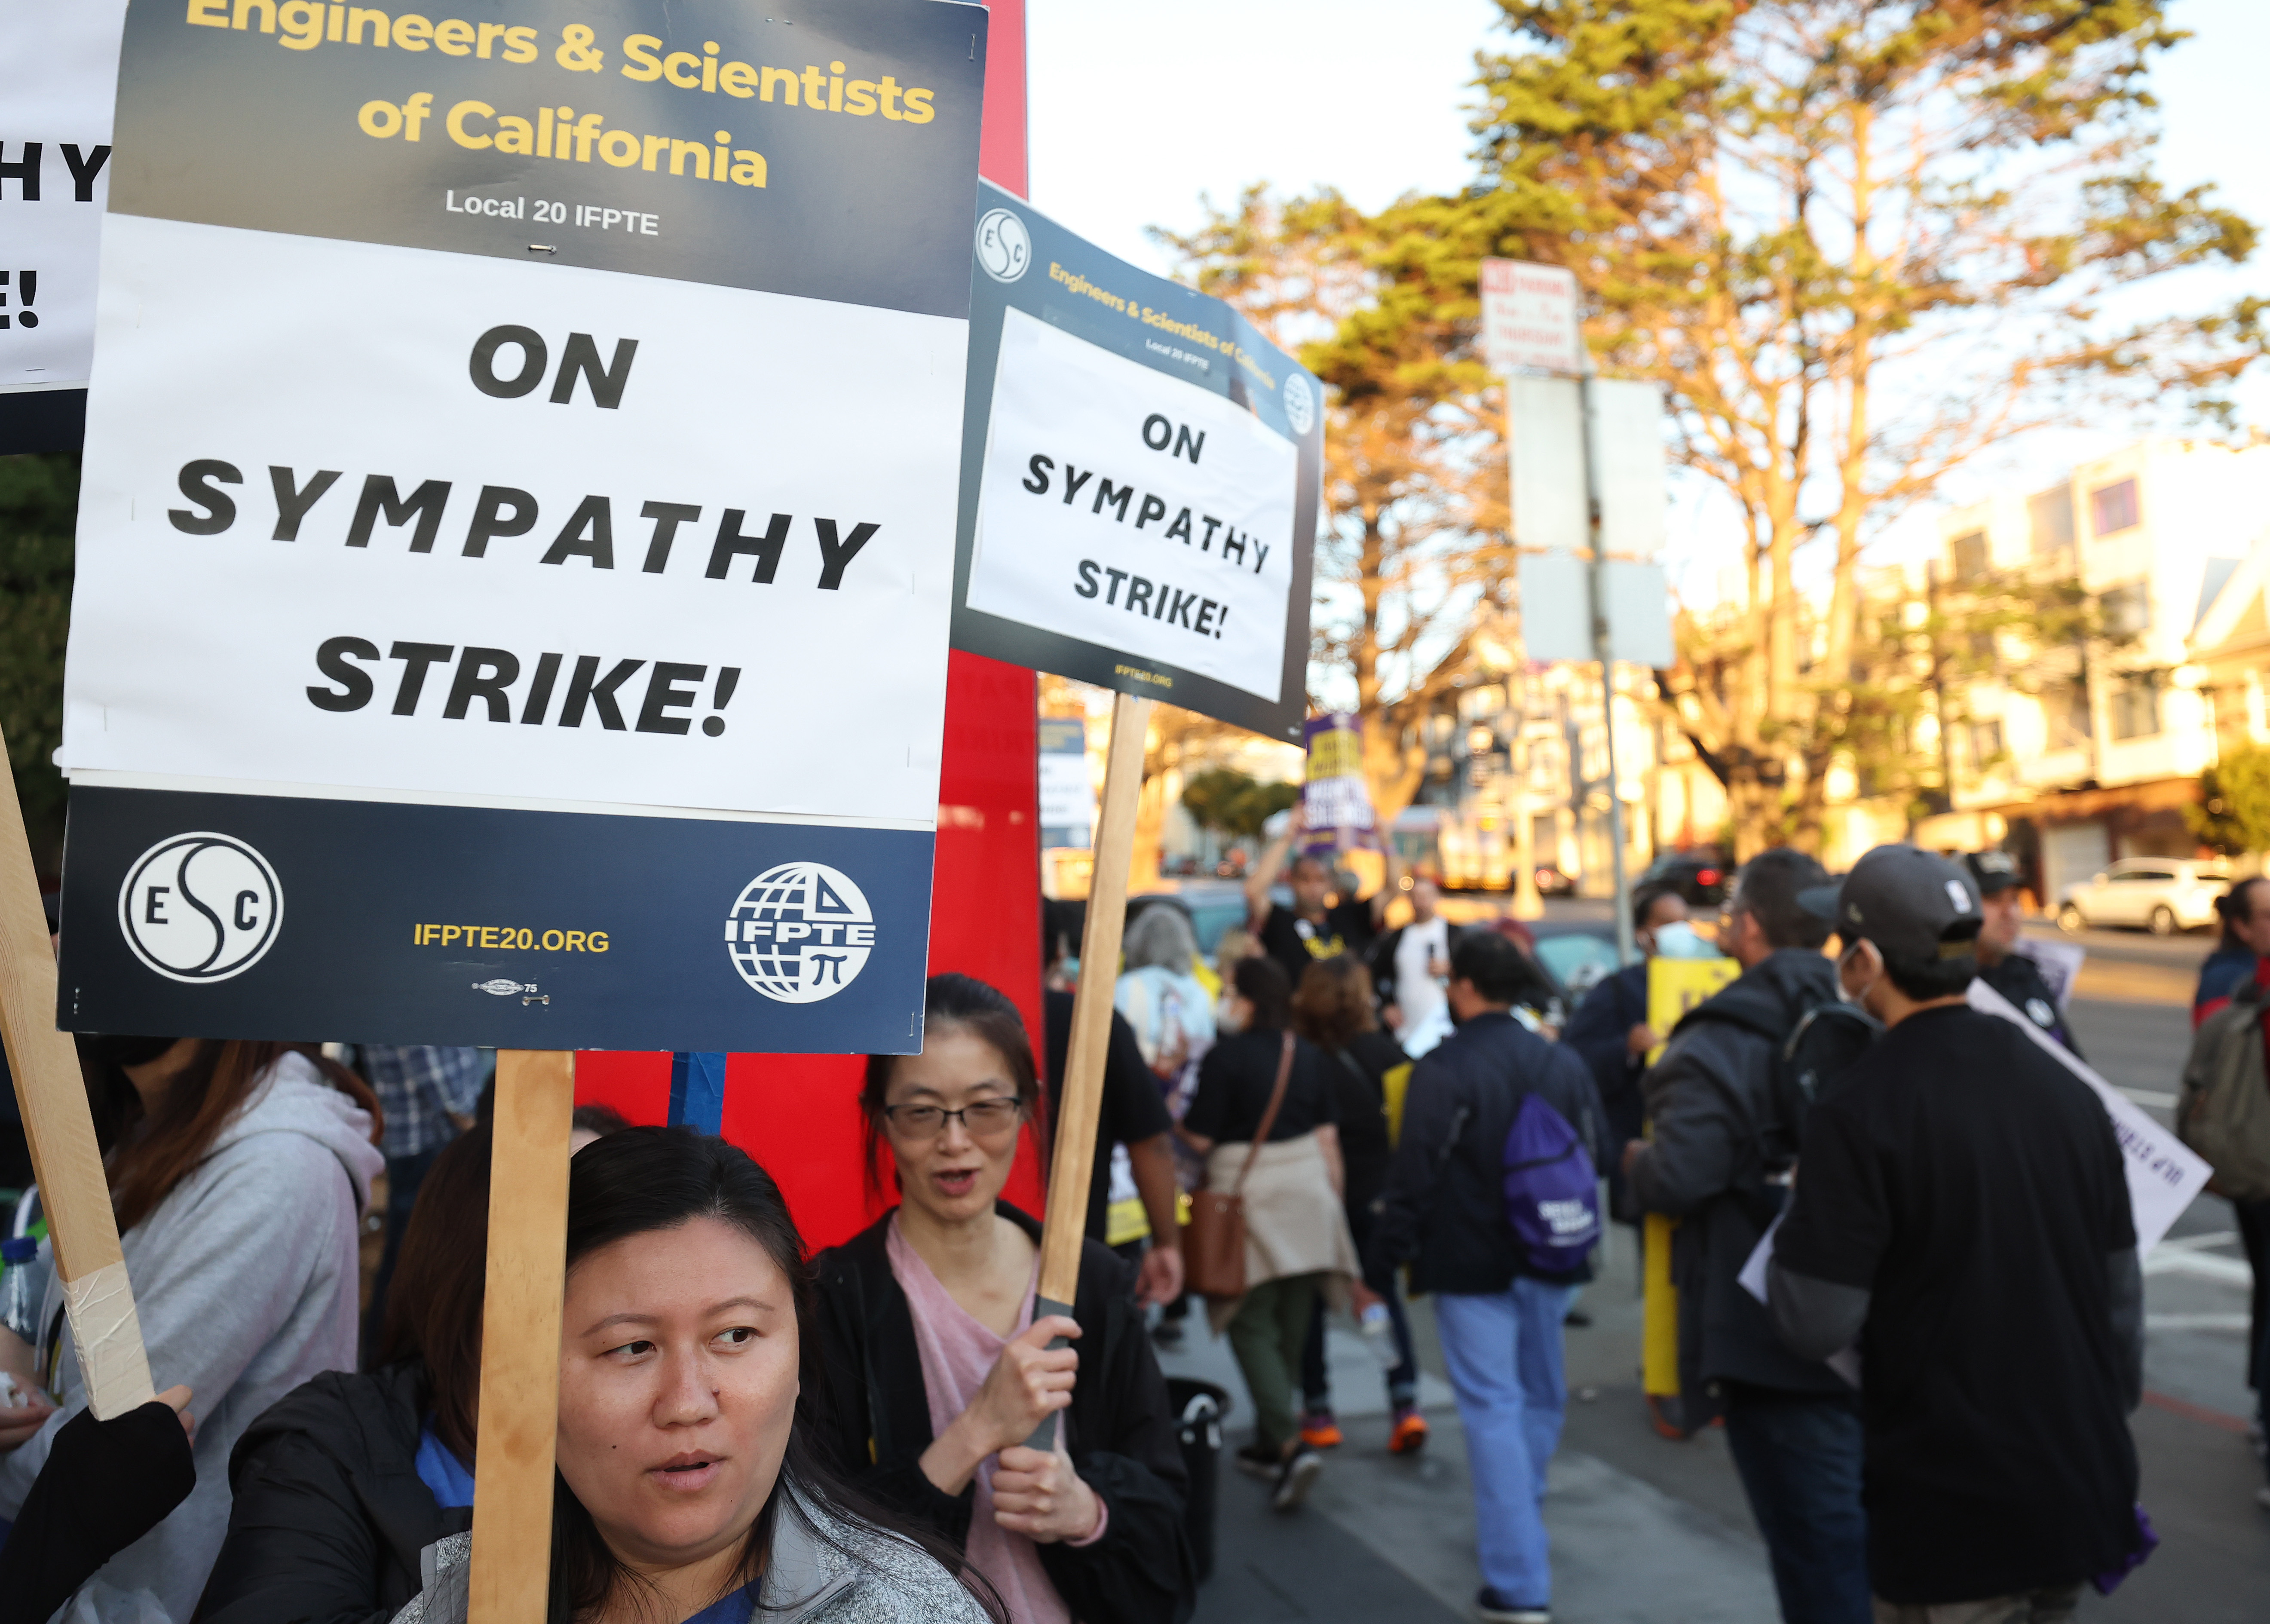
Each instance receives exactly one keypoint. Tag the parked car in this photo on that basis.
(2164, 894)
(1552, 882)
(1698, 874)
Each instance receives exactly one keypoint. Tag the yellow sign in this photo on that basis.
(1675, 986)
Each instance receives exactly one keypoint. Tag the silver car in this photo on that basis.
(2164, 894)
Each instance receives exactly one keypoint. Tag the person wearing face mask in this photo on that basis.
(942, 1366)
(1725, 1135)
(2000, 965)
(1961, 1212)
(239, 1172)
(694, 1480)
(1610, 1029)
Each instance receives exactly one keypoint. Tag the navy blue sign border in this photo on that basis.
(361, 877)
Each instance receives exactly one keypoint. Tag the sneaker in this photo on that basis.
(1492, 1608)
(1295, 1479)
(1319, 1430)
(1410, 1434)
(1256, 1460)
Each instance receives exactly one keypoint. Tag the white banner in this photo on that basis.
(58, 83)
(390, 571)
(1128, 508)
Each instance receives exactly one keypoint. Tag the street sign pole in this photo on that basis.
(1624, 945)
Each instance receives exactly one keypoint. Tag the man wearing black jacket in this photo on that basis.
(1719, 1162)
(1444, 1210)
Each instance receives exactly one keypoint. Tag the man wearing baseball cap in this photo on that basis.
(2000, 965)
(1961, 1212)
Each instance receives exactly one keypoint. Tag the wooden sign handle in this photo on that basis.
(74, 1192)
(1081, 1100)
(520, 1336)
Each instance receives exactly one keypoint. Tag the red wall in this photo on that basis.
(798, 1115)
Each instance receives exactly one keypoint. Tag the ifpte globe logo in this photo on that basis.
(800, 933)
(1300, 406)
(200, 908)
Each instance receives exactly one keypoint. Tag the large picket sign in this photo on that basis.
(514, 550)
(1140, 480)
(58, 66)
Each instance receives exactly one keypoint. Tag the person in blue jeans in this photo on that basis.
(1443, 1213)
(1724, 1141)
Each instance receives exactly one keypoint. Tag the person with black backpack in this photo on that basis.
(1727, 1101)
(1492, 1199)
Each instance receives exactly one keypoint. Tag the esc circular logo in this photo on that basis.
(800, 933)
(1003, 247)
(200, 908)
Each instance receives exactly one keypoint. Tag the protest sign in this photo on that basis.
(58, 77)
(1675, 986)
(2165, 1175)
(1067, 793)
(1141, 474)
(1336, 812)
(514, 549)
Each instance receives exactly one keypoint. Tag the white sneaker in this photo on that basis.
(1492, 1608)
(1295, 1479)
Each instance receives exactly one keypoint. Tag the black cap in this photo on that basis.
(1917, 908)
(1992, 872)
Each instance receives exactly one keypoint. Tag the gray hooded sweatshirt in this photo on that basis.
(246, 1281)
(821, 1569)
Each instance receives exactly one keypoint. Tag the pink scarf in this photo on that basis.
(957, 1354)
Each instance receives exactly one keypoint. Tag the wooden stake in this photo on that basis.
(520, 1336)
(74, 1192)
(1081, 1101)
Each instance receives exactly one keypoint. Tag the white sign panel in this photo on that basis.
(1627, 440)
(58, 83)
(1128, 508)
(1550, 509)
(426, 559)
(1529, 317)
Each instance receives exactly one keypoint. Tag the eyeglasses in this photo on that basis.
(982, 1118)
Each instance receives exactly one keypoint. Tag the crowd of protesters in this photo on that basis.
(1870, 1175)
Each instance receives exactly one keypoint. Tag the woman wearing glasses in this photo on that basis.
(939, 1371)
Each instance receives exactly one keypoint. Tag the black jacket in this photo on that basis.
(1120, 1431)
(2019, 979)
(1443, 1209)
(329, 1513)
(1716, 1131)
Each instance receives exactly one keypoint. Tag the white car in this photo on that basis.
(2164, 894)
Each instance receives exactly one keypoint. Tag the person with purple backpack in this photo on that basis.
(1492, 1200)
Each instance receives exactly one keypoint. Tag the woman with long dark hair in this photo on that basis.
(691, 1487)
(939, 1361)
(1285, 1159)
(239, 1172)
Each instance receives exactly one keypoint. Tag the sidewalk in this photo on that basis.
(1387, 1538)
(1646, 1530)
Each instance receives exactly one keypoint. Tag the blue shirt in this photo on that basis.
(738, 1608)
(440, 1470)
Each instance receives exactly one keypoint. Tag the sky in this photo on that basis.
(1137, 114)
